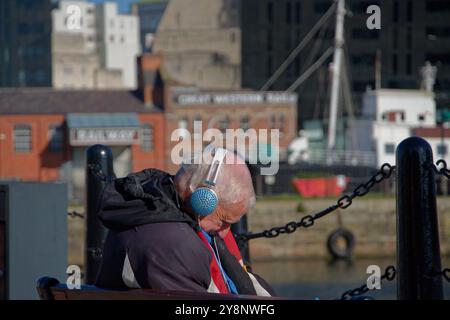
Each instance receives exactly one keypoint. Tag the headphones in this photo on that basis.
(204, 199)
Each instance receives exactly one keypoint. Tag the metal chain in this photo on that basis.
(96, 253)
(75, 214)
(445, 273)
(96, 170)
(342, 203)
(443, 171)
(389, 274)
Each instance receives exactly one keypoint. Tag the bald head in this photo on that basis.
(234, 189)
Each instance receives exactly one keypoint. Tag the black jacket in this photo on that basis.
(152, 243)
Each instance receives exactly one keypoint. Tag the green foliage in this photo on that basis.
(301, 208)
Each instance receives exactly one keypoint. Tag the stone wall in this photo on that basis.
(372, 221)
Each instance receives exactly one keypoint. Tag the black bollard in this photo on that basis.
(99, 170)
(241, 227)
(418, 252)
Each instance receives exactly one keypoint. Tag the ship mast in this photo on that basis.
(337, 67)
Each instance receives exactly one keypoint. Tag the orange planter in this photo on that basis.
(320, 187)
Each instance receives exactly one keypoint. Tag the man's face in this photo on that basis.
(219, 222)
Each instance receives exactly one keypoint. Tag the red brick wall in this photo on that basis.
(155, 158)
(40, 164)
(259, 117)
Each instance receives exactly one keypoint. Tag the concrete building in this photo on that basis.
(201, 43)
(25, 43)
(150, 13)
(93, 46)
(258, 35)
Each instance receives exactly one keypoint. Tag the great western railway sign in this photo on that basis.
(238, 98)
(108, 136)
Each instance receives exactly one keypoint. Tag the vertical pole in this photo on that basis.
(99, 170)
(418, 253)
(337, 64)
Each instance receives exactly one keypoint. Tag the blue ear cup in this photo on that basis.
(204, 201)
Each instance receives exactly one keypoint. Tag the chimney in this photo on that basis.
(151, 84)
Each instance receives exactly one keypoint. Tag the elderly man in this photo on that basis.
(173, 232)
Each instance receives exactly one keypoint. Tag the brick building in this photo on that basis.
(219, 109)
(44, 133)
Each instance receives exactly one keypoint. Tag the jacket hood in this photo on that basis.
(148, 196)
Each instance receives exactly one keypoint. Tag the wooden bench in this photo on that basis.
(51, 289)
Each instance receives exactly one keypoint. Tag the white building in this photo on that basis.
(390, 116)
(119, 42)
(93, 46)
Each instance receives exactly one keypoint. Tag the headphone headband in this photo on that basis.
(216, 163)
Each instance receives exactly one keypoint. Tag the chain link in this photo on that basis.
(342, 203)
(75, 214)
(442, 171)
(96, 170)
(96, 253)
(389, 275)
(445, 273)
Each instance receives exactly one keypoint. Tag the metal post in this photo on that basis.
(99, 170)
(418, 253)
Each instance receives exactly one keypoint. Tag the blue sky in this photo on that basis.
(124, 5)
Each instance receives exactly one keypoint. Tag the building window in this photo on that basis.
(394, 64)
(288, 12)
(389, 148)
(421, 117)
(442, 149)
(224, 124)
(269, 66)
(409, 38)
(22, 138)
(395, 12)
(147, 138)
(55, 138)
(409, 11)
(298, 12)
(245, 123)
(270, 12)
(395, 38)
(269, 40)
(408, 64)
(273, 122)
(282, 122)
(297, 66)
